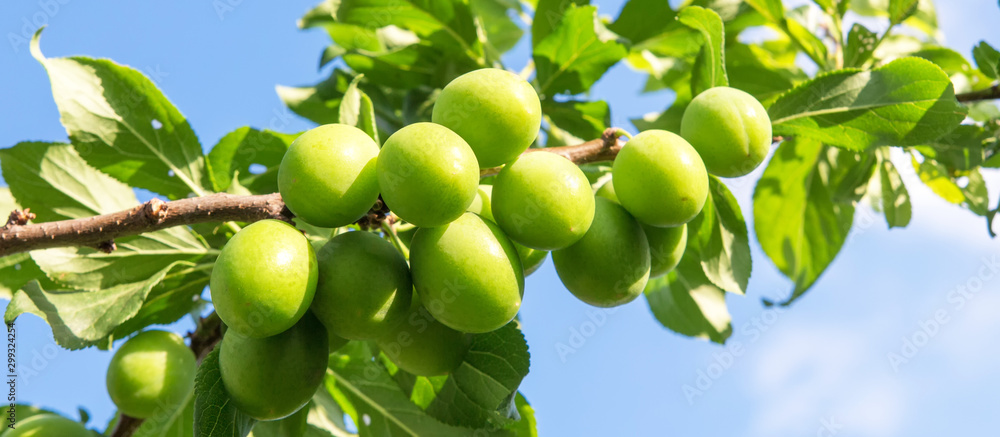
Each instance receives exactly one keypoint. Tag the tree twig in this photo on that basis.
(101, 231)
(203, 340)
(990, 93)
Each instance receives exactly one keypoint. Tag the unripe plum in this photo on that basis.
(531, 259)
(327, 176)
(273, 377)
(467, 274)
(151, 374)
(264, 279)
(666, 245)
(47, 425)
(609, 266)
(729, 128)
(495, 111)
(660, 179)
(543, 201)
(428, 174)
(364, 286)
(424, 346)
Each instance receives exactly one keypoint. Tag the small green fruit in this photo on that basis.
(531, 259)
(543, 201)
(729, 128)
(609, 266)
(327, 176)
(364, 286)
(467, 274)
(264, 279)
(423, 346)
(273, 377)
(151, 374)
(495, 111)
(666, 245)
(47, 425)
(428, 174)
(660, 179)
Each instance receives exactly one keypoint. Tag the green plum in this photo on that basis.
(264, 279)
(327, 176)
(428, 174)
(151, 374)
(424, 346)
(47, 425)
(273, 377)
(531, 259)
(660, 179)
(610, 265)
(468, 274)
(364, 286)
(495, 111)
(666, 245)
(543, 201)
(729, 128)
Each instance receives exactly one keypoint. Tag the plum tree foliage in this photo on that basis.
(443, 169)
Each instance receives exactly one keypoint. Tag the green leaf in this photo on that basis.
(860, 46)
(291, 426)
(710, 66)
(906, 102)
(576, 54)
(447, 24)
(173, 298)
(755, 70)
(895, 198)
(583, 119)
(641, 20)
(548, 15)
(807, 39)
(719, 237)
(479, 392)
(379, 406)
(900, 10)
(972, 193)
(356, 109)
(82, 318)
(987, 59)
(57, 184)
(122, 124)
(501, 32)
(772, 10)
(178, 423)
(319, 103)
(961, 149)
(798, 223)
(326, 414)
(686, 302)
(239, 149)
(214, 414)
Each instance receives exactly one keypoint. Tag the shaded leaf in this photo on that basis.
(319, 103)
(582, 119)
(895, 198)
(719, 238)
(900, 10)
(178, 423)
(906, 102)
(641, 20)
(548, 15)
(123, 125)
(798, 223)
(501, 32)
(243, 147)
(356, 109)
(710, 66)
(987, 59)
(214, 413)
(577, 53)
(448, 24)
(686, 302)
(860, 46)
(82, 318)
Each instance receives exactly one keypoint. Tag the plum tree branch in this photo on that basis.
(102, 230)
(990, 93)
(203, 340)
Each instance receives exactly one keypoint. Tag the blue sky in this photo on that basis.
(820, 366)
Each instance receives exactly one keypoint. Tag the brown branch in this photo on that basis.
(990, 93)
(203, 340)
(101, 231)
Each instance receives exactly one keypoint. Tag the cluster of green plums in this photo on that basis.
(287, 302)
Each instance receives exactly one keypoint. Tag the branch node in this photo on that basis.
(156, 210)
(19, 218)
(107, 246)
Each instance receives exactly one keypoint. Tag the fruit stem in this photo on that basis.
(390, 232)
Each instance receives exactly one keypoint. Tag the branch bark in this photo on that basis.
(990, 93)
(101, 231)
